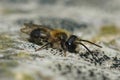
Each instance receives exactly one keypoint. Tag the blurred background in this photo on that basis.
(94, 11)
(68, 14)
(62, 13)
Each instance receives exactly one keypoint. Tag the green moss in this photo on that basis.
(8, 63)
(107, 33)
(6, 67)
(6, 73)
(112, 42)
(23, 76)
(5, 42)
(109, 30)
(23, 55)
(27, 77)
(11, 11)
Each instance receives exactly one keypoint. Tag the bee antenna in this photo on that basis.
(91, 43)
(85, 47)
(88, 50)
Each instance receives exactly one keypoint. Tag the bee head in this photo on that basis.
(73, 41)
(70, 45)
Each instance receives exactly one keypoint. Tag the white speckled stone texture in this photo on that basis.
(84, 18)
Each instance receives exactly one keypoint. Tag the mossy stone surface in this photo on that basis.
(94, 20)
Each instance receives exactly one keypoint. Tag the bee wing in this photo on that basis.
(28, 27)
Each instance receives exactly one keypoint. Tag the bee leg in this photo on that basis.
(42, 47)
(30, 40)
(65, 53)
(63, 48)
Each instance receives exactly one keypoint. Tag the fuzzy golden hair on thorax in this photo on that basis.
(58, 32)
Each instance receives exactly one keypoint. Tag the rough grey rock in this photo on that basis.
(19, 61)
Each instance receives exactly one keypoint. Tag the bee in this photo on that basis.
(54, 38)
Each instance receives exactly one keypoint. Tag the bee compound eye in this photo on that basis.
(70, 45)
(35, 33)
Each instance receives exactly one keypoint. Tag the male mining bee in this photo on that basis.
(54, 38)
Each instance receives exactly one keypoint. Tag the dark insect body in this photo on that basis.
(54, 38)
